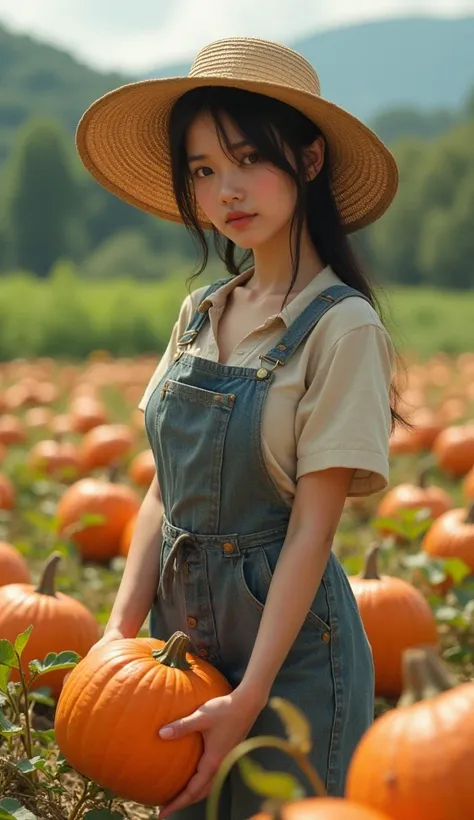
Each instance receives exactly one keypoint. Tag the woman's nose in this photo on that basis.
(230, 190)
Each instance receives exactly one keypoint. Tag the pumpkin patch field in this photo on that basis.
(76, 737)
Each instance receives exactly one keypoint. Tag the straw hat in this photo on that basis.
(122, 138)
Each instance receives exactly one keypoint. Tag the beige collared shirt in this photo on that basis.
(328, 406)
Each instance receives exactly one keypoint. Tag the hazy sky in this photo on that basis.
(138, 35)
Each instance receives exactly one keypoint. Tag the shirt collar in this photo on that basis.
(291, 311)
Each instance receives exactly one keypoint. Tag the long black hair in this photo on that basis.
(272, 127)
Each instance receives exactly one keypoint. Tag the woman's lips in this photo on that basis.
(241, 221)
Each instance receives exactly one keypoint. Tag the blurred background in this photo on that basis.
(81, 270)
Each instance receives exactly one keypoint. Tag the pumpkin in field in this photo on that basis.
(12, 431)
(416, 761)
(7, 493)
(454, 449)
(324, 808)
(126, 538)
(113, 705)
(105, 445)
(452, 536)
(114, 503)
(38, 417)
(59, 622)
(13, 567)
(142, 468)
(58, 459)
(87, 412)
(395, 616)
(408, 496)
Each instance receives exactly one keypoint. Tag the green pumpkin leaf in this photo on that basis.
(92, 519)
(103, 814)
(11, 809)
(55, 661)
(22, 640)
(42, 696)
(4, 675)
(297, 728)
(28, 766)
(7, 654)
(7, 728)
(457, 569)
(279, 785)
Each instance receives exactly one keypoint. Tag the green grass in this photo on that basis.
(67, 317)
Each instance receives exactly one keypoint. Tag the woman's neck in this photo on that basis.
(273, 267)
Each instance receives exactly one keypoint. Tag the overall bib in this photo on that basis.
(223, 529)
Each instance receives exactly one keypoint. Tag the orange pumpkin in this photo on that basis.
(87, 412)
(150, 683)
(38, 417)
(395, 616)
(55, 458)
(142, 468)
(12, 430)
(105, 445)
(117, 503)
(13, 567)
(59, 622)
(452, 536)
(413, 496)
(127, 534)
(416, 761)
(324, 808)
(454, 449)
(7, 493)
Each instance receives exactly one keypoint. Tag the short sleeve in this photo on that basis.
(344, 418)
(165, 361)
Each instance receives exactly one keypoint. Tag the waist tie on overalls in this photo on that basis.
(173, 564)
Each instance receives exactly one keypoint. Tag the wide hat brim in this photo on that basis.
(122, 139)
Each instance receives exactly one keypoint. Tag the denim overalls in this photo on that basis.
(223, 529)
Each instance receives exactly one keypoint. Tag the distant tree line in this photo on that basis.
(51, 209)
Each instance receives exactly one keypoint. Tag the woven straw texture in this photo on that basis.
(122, 138)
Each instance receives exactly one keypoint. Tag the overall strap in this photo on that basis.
(200, 317)
(306, 321)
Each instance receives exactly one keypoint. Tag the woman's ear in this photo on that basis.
(314, 158)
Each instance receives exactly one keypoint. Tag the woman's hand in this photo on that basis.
(108, 636)
(224, 722)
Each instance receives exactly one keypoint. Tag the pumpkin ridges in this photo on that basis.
(59, 623)
(325, 808)
(13, 567)
(451, 536)
(416, 761)
(395, 616)
(126, 667)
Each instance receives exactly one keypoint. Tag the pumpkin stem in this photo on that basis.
(470, 515)
(174, 651)
(113, 472)
(46, 585)
(424, 674)
(370, 570)
(423, 477)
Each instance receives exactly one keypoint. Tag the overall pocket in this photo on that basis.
(255, 572)
(190, 431)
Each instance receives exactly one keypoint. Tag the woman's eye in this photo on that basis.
(252, 158)
(205, 172)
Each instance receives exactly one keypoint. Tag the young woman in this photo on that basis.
(271, 403)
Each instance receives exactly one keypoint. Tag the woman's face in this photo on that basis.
(247, 184)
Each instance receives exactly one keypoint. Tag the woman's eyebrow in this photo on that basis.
(233, 147)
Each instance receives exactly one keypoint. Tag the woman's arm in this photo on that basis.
(317, 508)
(140, 578)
